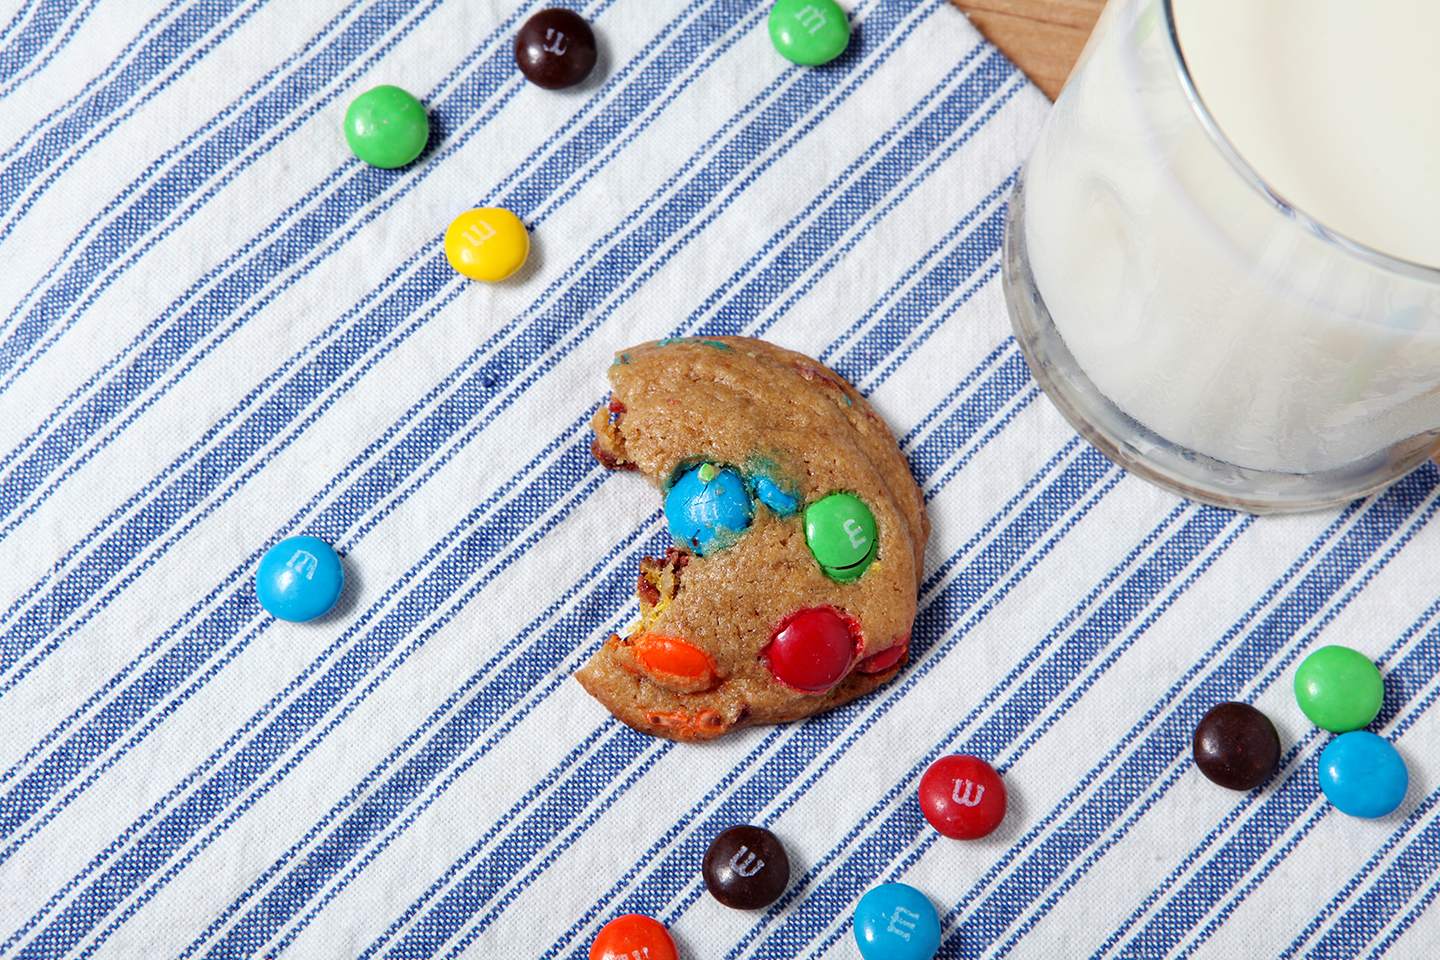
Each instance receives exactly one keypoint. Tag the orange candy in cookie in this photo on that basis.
(674, 663)
(705, 725)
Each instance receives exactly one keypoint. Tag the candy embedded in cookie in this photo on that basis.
(799, 539)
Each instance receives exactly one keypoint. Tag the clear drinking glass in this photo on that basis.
(1192, 325)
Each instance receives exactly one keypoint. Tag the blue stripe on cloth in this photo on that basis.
(18, 83)
(16, 19)
(38, 33)
(509, 855)
(1371, 913)
(620, 759)
(285, 98)
(58, 133)
(839, 218)
(877, 334)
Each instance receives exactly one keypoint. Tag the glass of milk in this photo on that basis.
(1221, 258)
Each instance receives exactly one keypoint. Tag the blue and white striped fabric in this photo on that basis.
(220, 329)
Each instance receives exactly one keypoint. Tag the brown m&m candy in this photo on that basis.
(746, 868)
(555, 48)
(1236, 746)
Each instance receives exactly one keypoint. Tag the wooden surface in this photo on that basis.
(1042, 37)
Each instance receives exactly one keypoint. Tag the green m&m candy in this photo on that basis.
(809, 32)
(840, 531)
(386, 127)
(1339, 689)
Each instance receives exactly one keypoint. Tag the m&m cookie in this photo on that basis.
(798, 537)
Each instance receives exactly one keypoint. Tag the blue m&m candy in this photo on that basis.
(1363, 775)
(894, 921)
(299, 579)
(707, 507)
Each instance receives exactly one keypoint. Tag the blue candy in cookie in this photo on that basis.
(774, 496)
(706, 507)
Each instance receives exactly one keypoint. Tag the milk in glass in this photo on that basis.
(1233, 289)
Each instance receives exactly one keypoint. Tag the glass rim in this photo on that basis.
(1250, 175)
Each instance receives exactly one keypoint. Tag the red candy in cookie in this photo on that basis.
(962, 797)
(885, 659)
(812, 650)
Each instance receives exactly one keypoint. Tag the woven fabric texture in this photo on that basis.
(218, 329)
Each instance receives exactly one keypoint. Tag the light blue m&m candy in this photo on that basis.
(299, 579)
(894, 921)
(1363, 775)
(707, 506)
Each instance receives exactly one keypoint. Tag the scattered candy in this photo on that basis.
(487, 244)
(746, 868)
(386, 127)
(962, 797)
(1236, 746)
(633, 935)
(707, 513)
(299, 579)
(840, 530)
(771, 494)
(812, 650)
(894, 921)
(809, 32)
(1363, 775)
(555, 48)
(1339, 689)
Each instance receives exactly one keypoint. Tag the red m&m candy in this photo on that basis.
(962, 797)
(812, 650)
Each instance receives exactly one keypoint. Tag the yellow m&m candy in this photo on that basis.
(487, 244)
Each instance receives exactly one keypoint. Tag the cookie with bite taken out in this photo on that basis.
(799, 539)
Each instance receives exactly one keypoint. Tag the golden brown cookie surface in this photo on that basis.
(800, 539)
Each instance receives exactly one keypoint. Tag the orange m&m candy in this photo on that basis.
(674, 660)
(633, 935)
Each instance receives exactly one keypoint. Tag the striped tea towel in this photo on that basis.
(220, 329)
